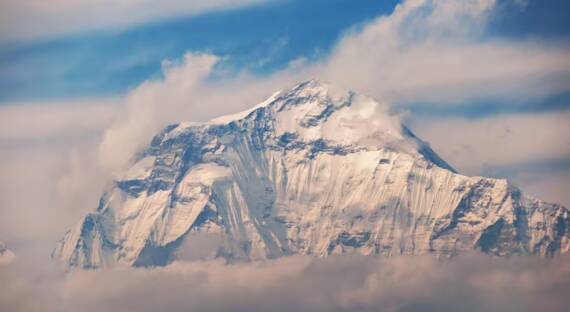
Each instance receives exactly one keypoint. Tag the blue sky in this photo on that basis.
(261, 38)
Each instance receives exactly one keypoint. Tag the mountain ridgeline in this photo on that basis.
(314, 170)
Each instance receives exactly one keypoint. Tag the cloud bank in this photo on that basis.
(29, 123)
(49, 169)
(504, 140)
(349, 283)
(436, 52)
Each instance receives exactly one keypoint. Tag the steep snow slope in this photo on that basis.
(6, 256)
(313, 170)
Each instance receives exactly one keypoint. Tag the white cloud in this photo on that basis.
(49, 166)
(549, 185)
(517, 141)
(152, 105)
(185, 93)
(357, 283)
(50, 174)
(505, 140)
(32, 19)
(41, 121)
(435, 52)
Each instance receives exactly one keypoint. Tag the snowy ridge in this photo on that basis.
(314, 170)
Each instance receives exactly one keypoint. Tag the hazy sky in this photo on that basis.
(85, 83)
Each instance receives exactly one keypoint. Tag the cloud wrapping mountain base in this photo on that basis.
(340, 283)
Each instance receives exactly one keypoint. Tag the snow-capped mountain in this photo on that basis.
(6, 256)
(314, 170)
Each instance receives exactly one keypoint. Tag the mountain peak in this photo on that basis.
(314, 89)
(316, 110)
(312, 170)
(319, 88)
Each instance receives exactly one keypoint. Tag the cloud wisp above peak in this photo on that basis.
(36, 19)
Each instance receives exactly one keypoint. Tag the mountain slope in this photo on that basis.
(313, 170)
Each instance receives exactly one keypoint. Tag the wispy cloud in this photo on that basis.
(37, 19)
(28, 123)
(531, 149)
(436, 52)
(185, 93)
(513, 139)
(49, 167)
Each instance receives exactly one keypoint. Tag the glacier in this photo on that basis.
(313, 170)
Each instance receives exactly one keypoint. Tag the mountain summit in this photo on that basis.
(314, 170)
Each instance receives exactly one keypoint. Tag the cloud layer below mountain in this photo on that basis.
(347, 283)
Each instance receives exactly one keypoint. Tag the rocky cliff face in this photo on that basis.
(315, 171)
